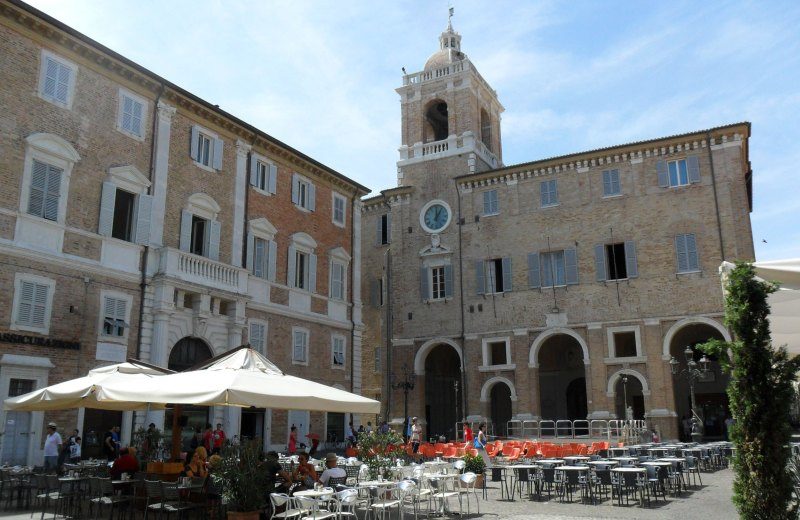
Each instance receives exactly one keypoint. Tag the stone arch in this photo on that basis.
(726, 335)
(422, 353)
(436, 119)
(545, 335)
(612, 381)
(487, 387)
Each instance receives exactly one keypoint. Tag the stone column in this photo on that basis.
(523, 408)
(355, 296)
(239, 196)
(160, 169)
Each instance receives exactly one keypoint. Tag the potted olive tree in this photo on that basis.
(242, 480)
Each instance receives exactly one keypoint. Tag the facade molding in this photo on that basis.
(692, 320)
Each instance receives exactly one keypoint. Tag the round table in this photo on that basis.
(314, 493)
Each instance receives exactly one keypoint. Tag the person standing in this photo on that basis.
(109, 446)
(480, 444)
(468, 436)
(219, 439)
(408, 428)
(52, 447)
(293, 440)
(75, 451)
(416, 435)
(65, 453)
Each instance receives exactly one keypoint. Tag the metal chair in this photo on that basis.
(105, 496)
(467, 482)
(289, 505)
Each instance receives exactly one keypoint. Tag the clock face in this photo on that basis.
(436, 217)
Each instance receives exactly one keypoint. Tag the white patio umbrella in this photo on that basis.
(241, 377)
(82, 391)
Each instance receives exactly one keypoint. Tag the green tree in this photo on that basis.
(760, 395)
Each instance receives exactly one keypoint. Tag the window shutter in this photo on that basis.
(136, 118)
(554, 192)
(127, 113)
(374, 293)
(507, 278)
(533, 271)
(144, 211)
(295, 189)
(680, 250)
(107, 198)
(52, 193)
(39, 305)
(379, 231)
(311, 196)
(663, 176)
(38, 185)
(25, 305)
(691, 252)
(259, 252)
(291, 266)
(186, 230)
(193, 149)
(480, 277)
(631, 265)
(693, 165)
(571, 266)
(272, 182)
(254, 172)
(271, 261)
(251, 250)
(600, 262)
(312, 273)
(487, 202)
(213, 240)
(217, 154)
(543, 193)
(62, 87)
(424, 291)
(50, 77)
(448, 281)
(607, 187)
(388, 228)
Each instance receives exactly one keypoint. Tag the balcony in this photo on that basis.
(200, 270)
(453, 145)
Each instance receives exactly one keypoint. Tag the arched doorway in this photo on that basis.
(187, 353)
(436, 124)
(500, 408)
(442, 405)
(628, 392)
(562, 378)
(710, 390)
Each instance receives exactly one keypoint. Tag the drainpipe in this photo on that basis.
(716, 201)
(464, 386)
(353, 200)
(388, 338)
(143, 281)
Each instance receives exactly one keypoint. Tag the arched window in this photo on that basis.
(486, 129)
(436, 119)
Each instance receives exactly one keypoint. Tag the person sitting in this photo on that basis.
(331, 469)
(126, 463)
(304, 473)
(197, 466)
(273, 470)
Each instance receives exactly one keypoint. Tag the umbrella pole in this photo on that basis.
(176, 433)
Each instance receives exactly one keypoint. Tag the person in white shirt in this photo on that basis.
(52, 447)
(331, 469)
(75, 451)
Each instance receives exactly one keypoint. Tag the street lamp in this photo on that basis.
(692, 373)
(625, 395)
(406, 385)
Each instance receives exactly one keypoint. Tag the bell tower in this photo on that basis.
(448, 112)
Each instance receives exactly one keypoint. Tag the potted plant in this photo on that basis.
(241, 479)
(475, 464)
(378, 451)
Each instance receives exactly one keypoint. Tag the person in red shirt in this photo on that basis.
(468, 437)
(218, 438)
(126, 463)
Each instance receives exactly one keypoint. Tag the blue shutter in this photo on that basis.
(52, 193)
(108, 197)
(691, 252)
(543, 193)
(251, 253)
(379, 230)
(507, 278)
(448, 281)
(311, 196)
(534, 280)
(37, 189)
(571, 264)
(312, 273)
(273, 178)
(217, 154)
(193, 150)
(291, 267)
(663, 176)
(272, 260)
(186, 231)
(480, 277)
(554, 192)
(600, 262)
(259, 257)
(424, 291)
(254, 172)
(631, 265)
(50, 77)
(388, 228)
(295, 189)
(680, 251)
(607, 183)
(213, 240)
(693, 165)
(144, 210)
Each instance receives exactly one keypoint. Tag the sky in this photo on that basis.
(572, 75)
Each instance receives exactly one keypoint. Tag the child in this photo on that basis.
(75, 451)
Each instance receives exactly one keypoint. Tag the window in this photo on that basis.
(198, 244)
(339, 204)
(260, 257)
(437, 283)
(57, 79)
(549, 192)
(206, 148)
(615, 260)
(611, 183)
(497, 353)
(33, 299)
(302, 270)
(680, 172)
(299, 346)
(337, 351)
(553, 269)
(124, 208)
(384, 229)
(625, 344)
(258, 337)
(45, 190)
(114, 315)
(131, 114)
(20, 386)
(303, 193)
(686, 249)
(261, 249)
(493, 276)
(200, 229)
(490, 206)
(263, 175)
(337, 281)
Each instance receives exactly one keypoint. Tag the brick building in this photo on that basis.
(554, 289)
(137, 220)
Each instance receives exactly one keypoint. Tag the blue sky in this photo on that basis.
(572, 75)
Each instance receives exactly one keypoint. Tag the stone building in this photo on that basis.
(138, 220)
(554, 289)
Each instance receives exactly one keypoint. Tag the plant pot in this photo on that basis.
(478, 482)
(243, 515)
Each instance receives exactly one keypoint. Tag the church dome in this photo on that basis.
(442, 58)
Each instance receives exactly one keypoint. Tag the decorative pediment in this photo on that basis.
(341, 254)
(128, 178)
(304, 240)
(203, 205)
(263, 228)
(53, 145)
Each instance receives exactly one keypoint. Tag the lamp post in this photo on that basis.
(625, 395)
(692, 373)
(406, 385)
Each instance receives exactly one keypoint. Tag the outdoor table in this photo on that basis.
(629, 470)
(315, 493)
(571, 460)
(377, 483)
(553, 462)
(618, 451)
(603, 462)
(517, 467)
(662, 451)
(579, 470)
(503, 470)
(622, 460)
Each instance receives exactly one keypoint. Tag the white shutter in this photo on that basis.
(272, 261)
(213, 240)
(534, 280)
(272, 180)
(127, 113)
(507, 278)
(217, 154)
(257, 334)
(37, 189)
(311, 195)
(600, 262)
(291, 277)
(186, 230)
(295, 189)
(251, 247)
(62, 85)
(136, 118)
(631, 265)
(25, 305)
(194, 150)
(254, 181)
(259, 252)
(663, 176)
(693, 165)
(53, 193)
(144, 212)
(50, 77)
(39, 305)
(312, 273)
(571, 266)
(691, 252)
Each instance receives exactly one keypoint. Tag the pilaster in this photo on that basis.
(239, 195)
(164, 115)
